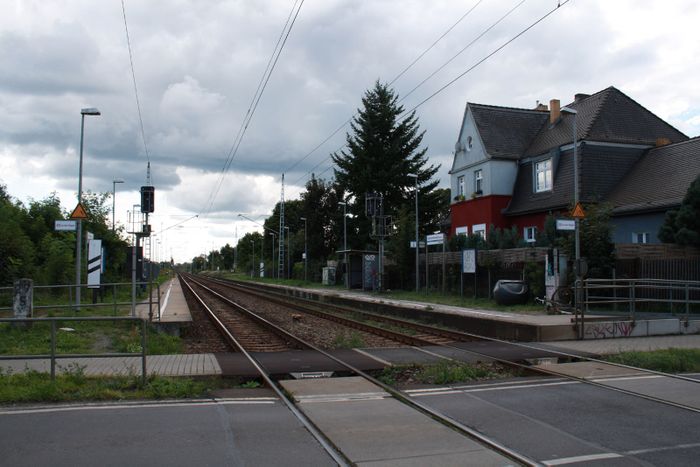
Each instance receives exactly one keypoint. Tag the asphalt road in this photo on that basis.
(562, 422)
(242, 432)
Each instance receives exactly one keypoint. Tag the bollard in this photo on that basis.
(23, 301)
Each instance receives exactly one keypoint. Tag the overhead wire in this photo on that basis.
(471, 68)
(401, 73)
(136, 90)
(262, 85)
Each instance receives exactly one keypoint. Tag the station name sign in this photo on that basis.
(65, 226)
(566, 224)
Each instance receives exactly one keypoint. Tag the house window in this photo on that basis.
(479, 229)
(543, 175)
(460, 185)
(530, 234)
(640, 237)
(464, 230)
(469, 143)
(478, 181)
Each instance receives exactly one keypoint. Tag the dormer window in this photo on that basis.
(543, 175)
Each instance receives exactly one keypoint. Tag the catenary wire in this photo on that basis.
(409, 66)
(255, 101)
(471, 68)
(136, 91)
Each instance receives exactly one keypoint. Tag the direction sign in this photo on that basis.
(79, 212)
(435, 239)
(578, 212)
(566, 224)
(413, 244)
(69, 226)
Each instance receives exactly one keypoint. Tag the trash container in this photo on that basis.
(509, 292)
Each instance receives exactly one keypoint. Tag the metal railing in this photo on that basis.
(629, 294)
(153, 302)
(53, 355)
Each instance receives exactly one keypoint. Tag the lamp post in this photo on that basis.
(79, 237)
(306, 255)
(252, 252)
(273, 254)
(417, 239)
(345, 239)
(289, 272)
(114, 198)
(577, 268)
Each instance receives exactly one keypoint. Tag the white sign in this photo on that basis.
(566, 224)
(303, 256)
(65, 225)
(469, 261)
(436, 239)
(413, 244)
(90, 236)
(94, 265)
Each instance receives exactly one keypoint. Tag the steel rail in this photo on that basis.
(326, 443)
(435, 415)
(576, 378)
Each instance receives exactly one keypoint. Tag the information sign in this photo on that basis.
(435, 239)
(469, 261)
(566, 224)
(69, 226)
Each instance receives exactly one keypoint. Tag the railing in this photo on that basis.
(629, 294)
(152, 301)
(53, 356)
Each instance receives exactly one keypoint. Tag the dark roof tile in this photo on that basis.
(506, 131)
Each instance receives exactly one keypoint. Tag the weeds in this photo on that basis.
(667, 361)
(344, 341)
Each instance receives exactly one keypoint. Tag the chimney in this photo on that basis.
(580, 96)
(662, 141)
(554, 112)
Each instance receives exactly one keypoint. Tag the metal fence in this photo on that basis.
(53, 355)
(153, 303)
(637, 295)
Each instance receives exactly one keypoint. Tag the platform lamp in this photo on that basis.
(577, 233)
(273, 255)
(79, 236)
(114, 199)
(417, 242)
(345, 240)
(306, 255)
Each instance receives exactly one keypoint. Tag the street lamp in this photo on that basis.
(306, 255)
(345, 240)
(289, 265)
(417, 242)
(252, 252)
(577, 268)
(114, 198)
(273, 254)
(79, 237)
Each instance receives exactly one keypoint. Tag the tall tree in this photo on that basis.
(382, 150)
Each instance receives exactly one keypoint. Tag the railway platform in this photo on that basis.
(499, 324)
(173, 306)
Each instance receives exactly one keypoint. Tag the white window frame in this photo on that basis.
(460, 185)
(543, 167)
(479, 229)
(530, 234)
(645, 237)
(462, 230)
(478, 181)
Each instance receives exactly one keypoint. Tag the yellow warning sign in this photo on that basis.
(578, 212)
(78, 212)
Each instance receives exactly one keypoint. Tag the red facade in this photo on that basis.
(483, 210)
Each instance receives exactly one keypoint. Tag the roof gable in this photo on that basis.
(506, 131)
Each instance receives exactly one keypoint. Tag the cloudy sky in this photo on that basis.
(198, 63)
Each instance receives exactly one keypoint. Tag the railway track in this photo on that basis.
(431, 335)
(327, 444)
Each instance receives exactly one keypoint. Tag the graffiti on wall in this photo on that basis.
(609, 329)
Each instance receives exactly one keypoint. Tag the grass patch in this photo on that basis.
(667, 361)
(443, 373)
(348, 341)
(73, 385)
(85, 337)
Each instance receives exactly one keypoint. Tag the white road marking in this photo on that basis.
(241, 401)
(434, 354)
(369, 355)
(577, 459)
(666, 448)
(165, 300)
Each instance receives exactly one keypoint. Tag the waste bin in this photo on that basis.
(509, 292)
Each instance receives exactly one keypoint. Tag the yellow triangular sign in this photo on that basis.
(78, 212)
(578, 212)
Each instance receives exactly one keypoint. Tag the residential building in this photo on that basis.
(527, 164)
